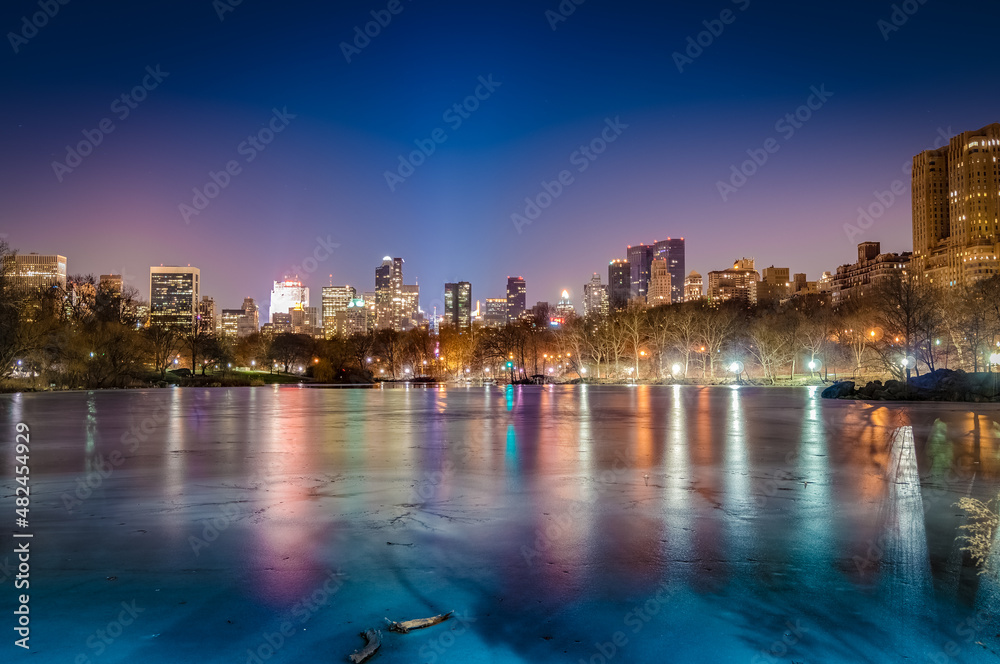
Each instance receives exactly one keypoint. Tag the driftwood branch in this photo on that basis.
(374, 639)
(408, 625)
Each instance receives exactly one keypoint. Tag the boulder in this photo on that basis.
(839, 390)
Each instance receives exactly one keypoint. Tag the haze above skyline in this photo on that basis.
(212, 79)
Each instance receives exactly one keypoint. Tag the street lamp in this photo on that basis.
(676, 369)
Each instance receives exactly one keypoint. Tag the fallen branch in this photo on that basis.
(374, 639)
(407, 625)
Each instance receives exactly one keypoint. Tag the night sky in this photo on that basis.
(887, 94)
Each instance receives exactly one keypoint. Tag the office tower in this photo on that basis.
(281, 323)
(411, 315)
(111, 283)
(305, 321)
(956, 209)
(672, 249)
(354, 319)
(738, 282)
(207, 319)
(595, 297)
(516, 298)
(775, 284)
(872, 266)
(29, 272)
(335, 299)
(619, 284)
(639, 257)
(229, 323)
(286, 295)
(495, 312)
(249, 323)
(659, 290)
(693, 285)
(565, 308)
(458, 305)
(174, 294)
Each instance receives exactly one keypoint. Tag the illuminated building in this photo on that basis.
(249, 323)
(565, 308)
(111, 283)
(516, 298)
(956, 209)
(335, 299)
(736, 283)
(872, 266)
(353, 319)
(595, 297)
(174, 296)
(775, 284)
(693, 286)
(28, 272)
(207, 319)
(495, 312)
(229, 323)
(619, 284)
(672, 250)
(659, 290)
(286, 295)
(396, 305)
(639, 257)
(458, 305)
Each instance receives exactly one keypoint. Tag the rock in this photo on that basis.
(839, 390)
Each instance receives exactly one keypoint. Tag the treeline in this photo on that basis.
(91, 337)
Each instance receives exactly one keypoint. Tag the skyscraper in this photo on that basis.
(595, 297)
(516, 298)
(565, 308)
(207, 318)
(396, 305)
(956, 209)
(335, 299)
(693, 285)
(27, 272)
(672, 249)
(249, 322)
(458, 305)
(495, 312)
(659, 291)
(619, 284)
(174, 296)
(639, 256)
(286, 295)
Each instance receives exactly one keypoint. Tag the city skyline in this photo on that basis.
(320, 181)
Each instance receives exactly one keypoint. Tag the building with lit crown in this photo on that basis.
(286, 295)
(659, 291)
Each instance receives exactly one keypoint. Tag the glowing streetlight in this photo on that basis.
(995, 358)
(676, 369)
(813, 365)
(736, 367)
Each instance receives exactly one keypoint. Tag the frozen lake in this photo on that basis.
(561, 523)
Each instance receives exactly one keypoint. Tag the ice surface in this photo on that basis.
(561, 523)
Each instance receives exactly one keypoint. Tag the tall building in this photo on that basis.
(28, 272)
(495, 312)
(639, 257)
(397, 305)
(872, 266)
(111, 283)
(516, 298)
(619, 284)
(306, 321)
(335, 299)
(249, 322)
(353, 319)
(595, 297)
(229, 323)
(565, 308)
(738, 282)
(174, 294)
(207, 319)
(286, 295)
(672, 250)
(411, 316)
(659, 291)
(458, 305)
(956, 209)
(693, 285)
(775, 284)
